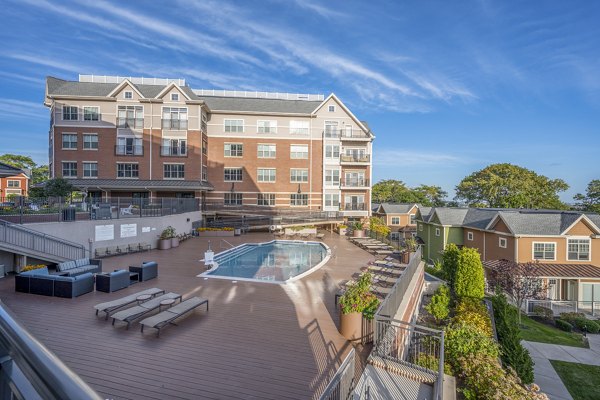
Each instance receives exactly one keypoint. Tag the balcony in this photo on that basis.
(175, 124)
(130, 123)
(355, 183)
(129, 150)
(345, 135)
(355, 158)
(173, 151)
(354, 207)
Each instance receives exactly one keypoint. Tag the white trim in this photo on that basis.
(470, 236)
(120, 87)
(438, 232)
(169, 87)
(333, 96)
(579, 238)
(582, 216)
(500, 239)
(493, 222)
(543, 259)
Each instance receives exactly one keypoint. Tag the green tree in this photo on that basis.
(39, 173)
(450, 263)
(469, 280)
(511, 186)
(462, 340)
(395, 191)
(591, 200)
(58, 187)
(378, 226)
(439, 306)
(432, 196)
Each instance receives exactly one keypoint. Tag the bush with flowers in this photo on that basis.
(358, 297)
(214, 229)
(32, 267)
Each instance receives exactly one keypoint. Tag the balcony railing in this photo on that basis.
(355, 158)
(354, 207)
(131, 123)
(173, 151)
(343, 134)
(129, 150)
(181, 124)
(355, 183)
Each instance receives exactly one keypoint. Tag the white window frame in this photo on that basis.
(271, 153)
(397, 219)
(178, 114)
(88, 163)
(231, 154)
(241, 174)
(270, 177)
(83, 142)
(70, 114)
(394, 236)
(171, 173)
(228, 127)
(235, 199)
(174, 96)
(297, 151)
(62, 141)
(63, 169)
(9, 183)
(329, 200)
(589, 246)
(502, 242)
(131, 170)
(91, 115)
(420, 227)
(266, 199)
(331, 153)
(331, 108)
(128, 95)
(299, 127)
(296, 173)
(330, 177)
(470, 236)
(299, 199)
(412, 219)
(266, 126)
(437, 232)
(544, 251)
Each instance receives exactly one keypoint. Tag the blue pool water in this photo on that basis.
(275, 261)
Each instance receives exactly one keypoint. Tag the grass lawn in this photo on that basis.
(535, 331)
(582, 381)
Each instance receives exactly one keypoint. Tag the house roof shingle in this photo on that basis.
(557, 270)
(397, 208)
(540, 222)
(450, 216)
(8, 170)
(216, 103)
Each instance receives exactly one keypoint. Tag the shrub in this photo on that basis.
(469, 280)
(473, 312)
(571, 316)
(463, 340)
(431, 362)
(485, 379)
(439, 306)
(32, 267)
(450, 263)
(168, 233)
(436, 270)
(586, 325)
(213, 229)
(544, 313)
(513, 354)
(358, 297)
(563, 325)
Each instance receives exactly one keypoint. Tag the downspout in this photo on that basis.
(151, 126)
(310, 154)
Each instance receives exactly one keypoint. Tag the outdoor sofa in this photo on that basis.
(112, 281)
(148, 270)
(80, 266)
(40, 281)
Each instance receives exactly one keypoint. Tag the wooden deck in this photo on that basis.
(258, 341)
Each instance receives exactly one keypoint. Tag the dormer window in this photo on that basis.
(128, 95)
(174, 96)
(331, 108)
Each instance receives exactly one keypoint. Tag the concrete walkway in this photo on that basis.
(545, 375)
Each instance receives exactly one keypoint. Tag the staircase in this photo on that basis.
(233, 253)
(405, 369)
(24, 241)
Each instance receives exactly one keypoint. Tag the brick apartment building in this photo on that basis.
(148, 137)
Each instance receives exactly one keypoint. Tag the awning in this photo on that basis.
(570, 271)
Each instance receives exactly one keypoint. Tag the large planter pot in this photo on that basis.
(164, 244)
(351, 325)
(359, 233)
(174, 242)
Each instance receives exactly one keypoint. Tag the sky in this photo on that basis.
(447, 87)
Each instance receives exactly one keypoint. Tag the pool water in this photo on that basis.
(276, 261)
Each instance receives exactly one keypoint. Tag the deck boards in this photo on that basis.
(258, 341)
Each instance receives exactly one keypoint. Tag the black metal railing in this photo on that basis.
(357, 158)
(354, 207)
(282, 218)
(173, 151)
(180, 124)
(129, 150)
(131, 123)
(357, 182)
(29, 370)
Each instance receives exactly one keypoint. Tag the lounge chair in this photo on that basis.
(133, 313)
(168, 316)
(304, 235)
(320, 236)
(111, 306)
(127, 210)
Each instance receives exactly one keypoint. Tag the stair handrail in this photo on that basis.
(221, 244)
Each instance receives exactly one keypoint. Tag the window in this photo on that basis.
(90, 141)
(232, 199)
(332, 151)
(128, 95)
(13, 184)
(395, 236)
(234, 150)
(174, 96)
(174, 147)
(127, 170)
(204, 173)
(267, 126)
(266, 174)
(299, 127)
(544, 251)
(299, 151)
(331, 129)
(298, 175)
(332, 177)
(332, 200)
(298, 199)
(502, 242)
(130, 117)
(69, 141)
(412, 219)
(267, 151)
(204, 146)
(578, 249)
(421, 227)
(69, 169)
(437, 232)
(70, 113)
(234, 125)
(395, 220)
(129, 146)
(173, 171)
(90, 114)
(233, 175)
(90, 170)
(174, 118)
(331, 108)
(266, 199)
(469, 235)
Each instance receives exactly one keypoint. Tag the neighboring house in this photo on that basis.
(13, 181)
(400, 218)
(147, 137)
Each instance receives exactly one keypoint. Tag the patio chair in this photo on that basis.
(131, 314)
(320, 236)
(305, 235)
(167, 317)
(113, 305)
(127, 210)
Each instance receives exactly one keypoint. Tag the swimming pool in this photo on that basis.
(277, 261)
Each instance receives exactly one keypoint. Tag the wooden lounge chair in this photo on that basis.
(133, 313)
(111, 306)
(167, 317)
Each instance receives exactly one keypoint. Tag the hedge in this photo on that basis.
(586, 325)
(563, 325)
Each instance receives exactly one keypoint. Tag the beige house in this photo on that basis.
(400, 218)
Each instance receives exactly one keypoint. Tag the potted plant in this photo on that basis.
(355, 304)
(174, 238)
(165, 238)
(358, 229)
(411, 247)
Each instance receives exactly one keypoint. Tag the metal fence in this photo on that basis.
(591, 308)
(341, 385)
(390, 305)
(276, 220)
(22, 210)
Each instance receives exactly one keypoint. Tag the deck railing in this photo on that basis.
(591, 308)
(275, 220)
(28, 370)
(342, 383)
(390, 305)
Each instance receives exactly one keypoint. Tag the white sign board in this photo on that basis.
(128, 230)
(145, 229)
(105, 232)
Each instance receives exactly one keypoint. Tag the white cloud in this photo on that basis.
(319, 9)
(412, 158)
(47, 62)
(19, 109)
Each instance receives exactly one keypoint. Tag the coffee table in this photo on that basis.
(166, 303)
(143, 297)
(134, 277)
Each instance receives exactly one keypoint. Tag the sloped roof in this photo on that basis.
(397, 208)
(450, 216)
(539, 222)
(426, 213)
(479, 218)
(8, 170)
(557, 270)
(216, 103)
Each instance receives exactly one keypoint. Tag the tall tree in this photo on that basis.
(432, 195)
(39, 173)
(591, 200)
(510, 186)
(395, 191)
